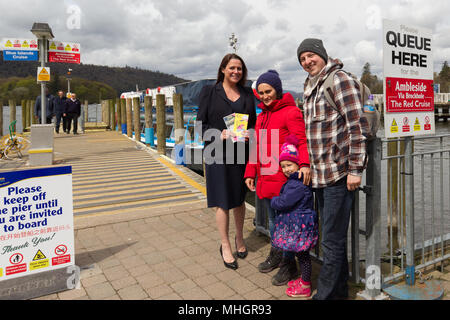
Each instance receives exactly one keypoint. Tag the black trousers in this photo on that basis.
(59, 116)
(72, 117)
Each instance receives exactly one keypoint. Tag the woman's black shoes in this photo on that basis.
(232, 265)
(240, 255)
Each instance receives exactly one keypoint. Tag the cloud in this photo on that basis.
(188, 38)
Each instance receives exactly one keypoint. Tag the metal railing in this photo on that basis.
(386, 204)
(430, 220)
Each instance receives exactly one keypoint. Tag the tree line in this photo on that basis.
(91, 82)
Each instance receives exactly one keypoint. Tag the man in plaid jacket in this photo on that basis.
(337, 152)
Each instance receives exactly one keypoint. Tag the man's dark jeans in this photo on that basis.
(59, 116)
(335, 203)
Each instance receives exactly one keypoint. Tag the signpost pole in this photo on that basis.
(409, 211)
(43, 95)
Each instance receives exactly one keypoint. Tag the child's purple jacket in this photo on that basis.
(296, 227)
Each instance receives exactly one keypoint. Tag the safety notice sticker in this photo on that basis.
(394, 127)
(39, 261)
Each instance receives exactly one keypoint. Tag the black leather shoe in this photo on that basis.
(232, 265)
(240, 255)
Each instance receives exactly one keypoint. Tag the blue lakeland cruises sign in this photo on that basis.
(20, 55)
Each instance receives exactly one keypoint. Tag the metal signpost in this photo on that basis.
(409, 112)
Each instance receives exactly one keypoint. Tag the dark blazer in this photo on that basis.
(72, 106)
(59, 104)
(214, 105)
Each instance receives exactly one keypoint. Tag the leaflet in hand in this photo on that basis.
(237, 123)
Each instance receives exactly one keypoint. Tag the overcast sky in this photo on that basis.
(188, 38)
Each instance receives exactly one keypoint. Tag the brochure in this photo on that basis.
(237, 123)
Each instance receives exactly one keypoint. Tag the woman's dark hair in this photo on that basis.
(224, 63)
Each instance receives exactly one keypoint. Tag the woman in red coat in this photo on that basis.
(280, 118)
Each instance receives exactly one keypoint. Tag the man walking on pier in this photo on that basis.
(60, 101)
(337, 152)
(72, 110)
(49, 106)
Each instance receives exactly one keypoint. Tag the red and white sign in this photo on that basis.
(427, 123)
(408, 79)
(56, 261)
(60, 250)
(409, 95)
(16, 258)
(19, 268)
(64, 52)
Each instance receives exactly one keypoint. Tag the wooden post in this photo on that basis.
(12, 111)
(86, 111)
(23, 104)
(137, 119)
(113, 114)
(106, 112)
(119, 115)
(33, 114)
(102, 104)
(148, 102)
(28, 113)
(123, 115)
(129, 118)
(178, 117)
(161, 123)
(1, 118)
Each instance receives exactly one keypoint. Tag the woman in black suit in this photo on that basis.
(224, 174)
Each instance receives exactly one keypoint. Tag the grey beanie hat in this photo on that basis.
(312, 45)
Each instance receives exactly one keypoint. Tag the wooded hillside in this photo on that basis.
(86, 79)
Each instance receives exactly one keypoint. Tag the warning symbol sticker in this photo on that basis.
(1, 272)
(406, 127)
(38, 261)
(16, 258)
(60, 250)
(43, 74)
(8, 44)
(68, 48)
(394, 127)
(39, 255)
(417, 126)
(427, 123)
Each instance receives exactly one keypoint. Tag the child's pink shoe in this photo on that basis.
(299, 291)
(298, 282)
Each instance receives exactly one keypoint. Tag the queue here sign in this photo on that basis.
(408, 80)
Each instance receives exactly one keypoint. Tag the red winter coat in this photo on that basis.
(285, 116)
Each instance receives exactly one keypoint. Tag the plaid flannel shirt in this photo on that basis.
(336, 144)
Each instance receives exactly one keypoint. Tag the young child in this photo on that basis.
(296, 227)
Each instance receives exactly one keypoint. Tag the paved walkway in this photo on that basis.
(137, 237)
